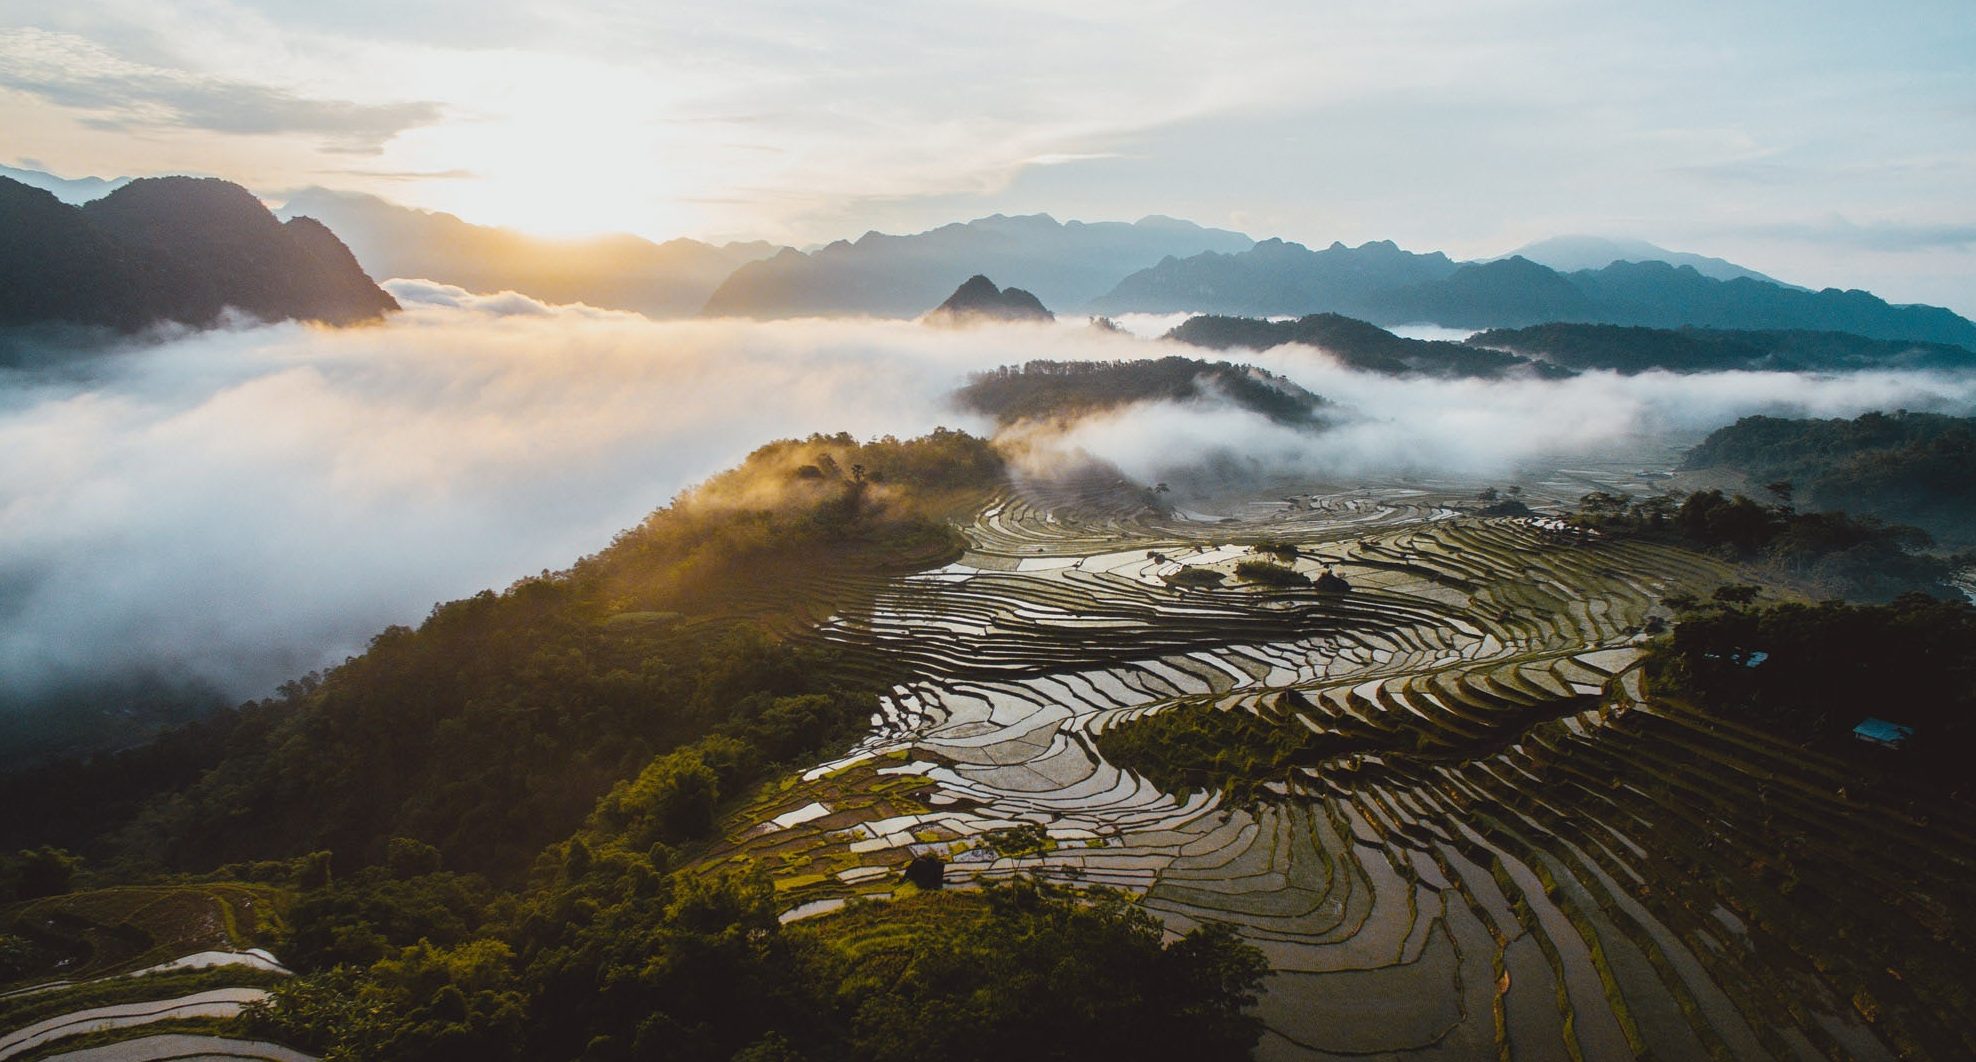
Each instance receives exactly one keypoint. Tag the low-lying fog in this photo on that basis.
(244, 505)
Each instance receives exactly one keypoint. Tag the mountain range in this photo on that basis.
(1568, 254)
(1381, 283)
(179, 249)
(1155, 265)
(1065, 264)
(74, 191)
(1629, 350)
(615, 272)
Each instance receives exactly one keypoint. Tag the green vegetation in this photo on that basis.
(613, 958)
(1917, 468)
(1631, 350)
(87, 934)
(223, 1027)
(1196, 746)
(1831, 552)
(492, 730)
(1041, 390)
(1811, 672)
(1195, 577)
(496, 836)
(1269, 573)
(1361, 346)
(26, 1010)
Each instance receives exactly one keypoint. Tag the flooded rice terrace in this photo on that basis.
(1540, 858)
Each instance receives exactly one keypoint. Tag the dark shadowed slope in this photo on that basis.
(1066, 264)
(1361, 346)
(1910, 468)
(1634, 349)
(177, 249)
(1275, 277)
(980, 300)
(618, 272)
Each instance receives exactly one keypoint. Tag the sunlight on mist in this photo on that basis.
(248, 504)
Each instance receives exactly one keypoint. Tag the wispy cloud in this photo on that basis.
(120, 95)
(1892, 236)
(405, 175)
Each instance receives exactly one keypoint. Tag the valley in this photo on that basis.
(1530, 855)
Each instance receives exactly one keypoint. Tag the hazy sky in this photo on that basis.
(1826, 143)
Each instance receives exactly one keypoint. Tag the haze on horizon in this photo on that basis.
(1825, 144)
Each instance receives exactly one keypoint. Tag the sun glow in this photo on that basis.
(559, 148)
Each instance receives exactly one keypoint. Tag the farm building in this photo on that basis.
(1882, 733)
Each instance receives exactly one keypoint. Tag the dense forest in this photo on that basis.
(1629, 350)
(493, 728)
(1825, 552)
(1811, 672)
(1358, 345)
(488, 828)
(1915, 468)
(1045, 390)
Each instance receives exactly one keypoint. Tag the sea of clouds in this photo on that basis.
(239, 506)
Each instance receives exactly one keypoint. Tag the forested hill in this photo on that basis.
(1041, 390)
(171, 249)
(494, 727)
(1361, 346)
(493, 838)
(1911, 468)
(1631, 349)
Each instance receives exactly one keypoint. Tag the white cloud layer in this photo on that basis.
(242, 506)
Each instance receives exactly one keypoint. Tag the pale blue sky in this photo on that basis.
(1824, 143)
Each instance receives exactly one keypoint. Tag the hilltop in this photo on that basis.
(980, 300)
(172, 249)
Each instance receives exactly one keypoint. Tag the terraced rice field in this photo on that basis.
(1541, 862)
(133, 957)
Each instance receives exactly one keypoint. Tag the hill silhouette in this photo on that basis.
(177, 249)
(1632, 349)
(1568, 254)
(978, 299)
(616, 272)
(1388, 286)
(1276, 277)
(1042, 390)
(1361, 346)
(1066, 264)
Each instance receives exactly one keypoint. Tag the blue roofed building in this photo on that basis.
(1882, 733)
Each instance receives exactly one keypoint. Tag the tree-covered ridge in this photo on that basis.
(1812, 672)
(615, 958)
(494, 727)
(1917, 468)
(1828, 552)
(1634, 349)
(1361, 346)
(1043, 390)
